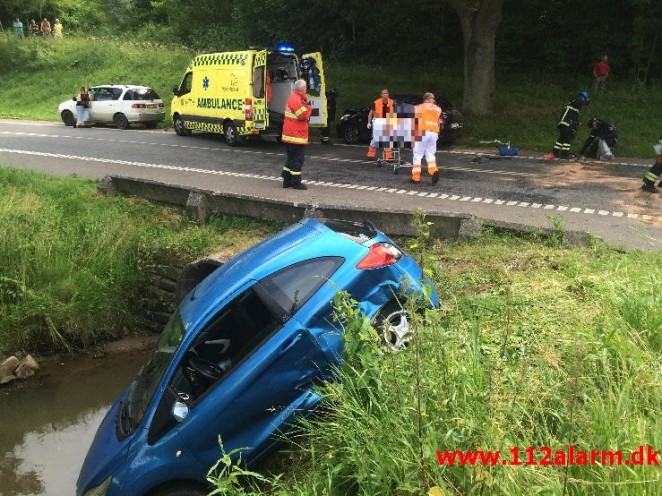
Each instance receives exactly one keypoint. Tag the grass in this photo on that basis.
(71, 263)
(536, 346)
(38, 74)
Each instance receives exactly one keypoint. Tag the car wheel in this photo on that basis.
(351, 134)
(393, 326)
(68, 118)
(232, 137)
(121, 121)
(180, 129)
(150, 125)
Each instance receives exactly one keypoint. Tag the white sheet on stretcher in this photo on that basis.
(392, 132)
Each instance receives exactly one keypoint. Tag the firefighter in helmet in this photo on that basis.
(568, 125)
(654, 173)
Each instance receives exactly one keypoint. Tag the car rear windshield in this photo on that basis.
(141, 94)
(357, 231)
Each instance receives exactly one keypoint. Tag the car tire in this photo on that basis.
(121, 121)
(393, 325)
(231, 135)
(180, 128)
(68, 118)
(351, 134)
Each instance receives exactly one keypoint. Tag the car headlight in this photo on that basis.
(101, 489)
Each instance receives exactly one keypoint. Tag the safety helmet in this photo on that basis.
(585, 96)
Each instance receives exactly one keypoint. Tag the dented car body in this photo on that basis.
(241, 355)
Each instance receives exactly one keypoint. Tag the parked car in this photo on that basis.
(118, 104)
(353, 125)
(241, 355)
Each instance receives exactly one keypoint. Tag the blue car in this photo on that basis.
(240, 356)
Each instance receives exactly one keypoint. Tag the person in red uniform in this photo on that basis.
(379, 109)
(600, 73)
(295, 135)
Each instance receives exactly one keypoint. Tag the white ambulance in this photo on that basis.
(243, 94)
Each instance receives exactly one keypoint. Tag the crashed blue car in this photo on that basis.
(241, 355)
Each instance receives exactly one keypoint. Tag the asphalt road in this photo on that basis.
(597, 197)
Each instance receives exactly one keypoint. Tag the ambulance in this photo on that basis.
(243, 94)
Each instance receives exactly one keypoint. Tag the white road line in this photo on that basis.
(443, 196)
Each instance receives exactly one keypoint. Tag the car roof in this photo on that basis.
(304, 240)
(123, 86)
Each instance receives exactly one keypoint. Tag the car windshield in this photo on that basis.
(149, 377)
(141, 94)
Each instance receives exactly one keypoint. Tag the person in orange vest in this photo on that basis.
(295, 135)
(428, 122)
(379, 109)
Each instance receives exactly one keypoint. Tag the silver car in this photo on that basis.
(120, 105)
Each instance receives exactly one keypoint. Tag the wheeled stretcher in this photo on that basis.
(395, 132)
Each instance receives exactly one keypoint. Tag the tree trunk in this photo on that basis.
(480, 20)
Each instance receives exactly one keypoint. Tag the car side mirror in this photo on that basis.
(180, 411)
(175, 90)
(74, 99)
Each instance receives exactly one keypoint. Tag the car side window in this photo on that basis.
(117, 93)
(292, 286)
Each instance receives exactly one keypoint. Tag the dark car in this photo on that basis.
(353, 125)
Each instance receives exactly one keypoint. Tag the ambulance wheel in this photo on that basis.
(351, 134)
(232, 137)
(180, 129)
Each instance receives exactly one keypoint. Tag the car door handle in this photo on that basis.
(290, 343)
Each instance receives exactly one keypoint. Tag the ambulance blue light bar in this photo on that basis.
(285, 48)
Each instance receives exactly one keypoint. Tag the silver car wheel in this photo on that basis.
(395, 330)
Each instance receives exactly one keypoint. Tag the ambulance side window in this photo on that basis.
(258, 82)
(187, 84)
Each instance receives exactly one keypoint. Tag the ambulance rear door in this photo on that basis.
(261, 91)
(312, 71)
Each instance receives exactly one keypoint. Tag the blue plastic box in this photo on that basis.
(508, 151)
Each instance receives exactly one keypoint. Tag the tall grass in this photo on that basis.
(37, 74)
(535, 346)
(72, 264)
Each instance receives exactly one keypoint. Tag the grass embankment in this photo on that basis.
(536, 345)
(36, 75)
(71, 262)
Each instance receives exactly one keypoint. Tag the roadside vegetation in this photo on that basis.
(37, 74)
(536, 345)
(72, 262)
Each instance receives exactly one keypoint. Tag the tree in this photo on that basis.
(480, 20)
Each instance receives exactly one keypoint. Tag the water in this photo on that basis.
(48, 421)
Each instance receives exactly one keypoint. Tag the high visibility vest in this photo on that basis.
(428, 115)
(295, 125)
(379, 107)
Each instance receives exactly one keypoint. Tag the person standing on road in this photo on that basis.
(568, 125)
(600, 72)
(654, 173)
(83, 101)
(428, 121)
(331, 103)
(295, 135)
(380, 108)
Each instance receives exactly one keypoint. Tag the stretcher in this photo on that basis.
(396, 133)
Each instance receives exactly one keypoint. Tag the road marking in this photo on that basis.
(443, 196)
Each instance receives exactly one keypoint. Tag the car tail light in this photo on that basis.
(380, 255)
(248, 109)
(138, 105)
